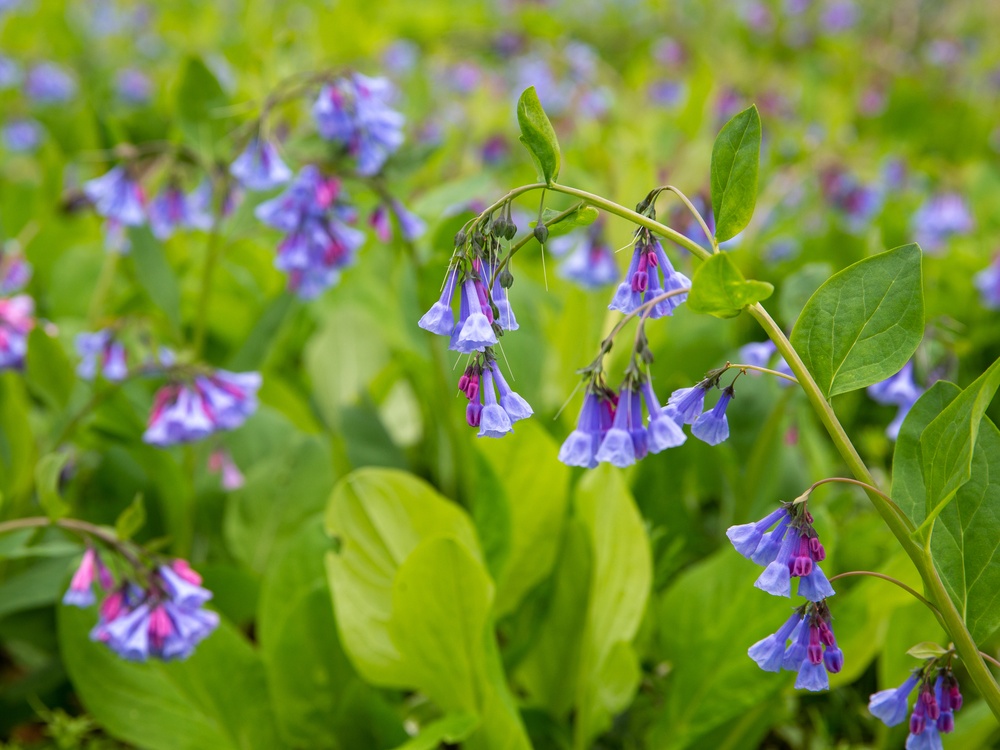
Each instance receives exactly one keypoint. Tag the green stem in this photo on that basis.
(694, 212)
(205, 295)
(77, 527)
(765, 370)
(890, 579)
(525, 240)
(938, 595)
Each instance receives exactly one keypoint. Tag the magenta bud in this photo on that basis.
(815, 654)
(802, 566)
(640, 281)
(652, 260)
(956, 697)
(833, 658)
(463, 383)
(946, 722)
(917, 722)
(473, 412)
(931, 706)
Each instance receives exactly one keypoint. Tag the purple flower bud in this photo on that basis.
(833, 660)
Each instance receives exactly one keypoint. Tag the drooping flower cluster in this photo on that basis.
(354, 111)
(480, 383)
(805, 643)
(589, 261)
(650, 274)
(940, 218)
(687, 406)
(791, 549)
(611, 428)
(259, 167)
(319, 242)
(161, 618)
(899, 390)
(933, 712)
(188, 411)
(101, 352)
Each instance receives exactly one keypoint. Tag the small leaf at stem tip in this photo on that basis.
(131, 519)
(538, 135)
(581, 217)
(927, 650)
(47, 474)
(735, 164)
(719, 289)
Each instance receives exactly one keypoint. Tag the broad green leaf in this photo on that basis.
(719, 289)
(17, 455)
(536, 501)
(380, 516)
(581, 217)
(155, 275)
(946, 445)
(217, 698)
(735, 162)
(200, 100)
(926, 650)
(131, 519)
(548, 673)
(864, 323)
(963, 541)
(47, 473)
(441, 599)
(39, 584)
(48, 371)
(450, 729)
(537, 135)
(619, 587)
(707, 620)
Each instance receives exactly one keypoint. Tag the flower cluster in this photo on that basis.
(164, 618)
(804, 644)
(101, 352)
(589, 261)
(650, 274)
(189, 411)
(319, 242)
(933, 712)
(354, 112)
(899, 390)
(791, 549)
(480, 383)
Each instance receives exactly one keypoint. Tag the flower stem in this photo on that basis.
(77, 527)
(890, 579)
(755, 368)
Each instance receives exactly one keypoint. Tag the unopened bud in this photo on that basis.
(541, 233)
(511, 230)
(460, 238)
(506, 279)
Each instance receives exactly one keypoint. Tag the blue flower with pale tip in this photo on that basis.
(494, 421)
(815, 586)
(769, 653)
(777, 578)
(812, 677)
(475, 330)
(663, 432)
(746, 538)
(440, 319)
(515, 406)
(770, 543)
(713, 426)
(617, 447)
(580, 448)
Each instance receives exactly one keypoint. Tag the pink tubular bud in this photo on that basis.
(931, 706)
(463, 383)
(473, 412)
(640, 281)
(472, 389)
(181, 568)
(652, 260)
(956, 696)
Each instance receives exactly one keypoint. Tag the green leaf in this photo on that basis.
(155, 275)
(719, 289)
(48, 371)
(927, 650)
(199, 100)
(946, 445)
(619, 587)
(537, 135)
(40, 584)
(963, 542)
(864, 323)
(581, 217)
(217, 698)
(131, 519)
(450, 729)
(47, 474)
(735, 162)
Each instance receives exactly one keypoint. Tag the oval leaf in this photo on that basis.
(719, 288)
(735, 158)
(864, 323)
(581, 217)
(537, 135)
(927, 650)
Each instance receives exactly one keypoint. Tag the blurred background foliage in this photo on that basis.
(621, 618)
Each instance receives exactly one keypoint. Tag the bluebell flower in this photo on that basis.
(663, 432)
(178, 416)
(133, 86)
(940, 218)
(777, 578)
(769, 653)
(987, 282)
(618, 447)
(890, 706)
(713, 426)
(80, 592)
(636, 426)
(228, 398)
(494, 421)
(813, 651)
(746, 538)
(815, 586)
(582, 445)
(99, 352)
(259, 167)
(354, 111)
(812, 677)
(15, 271)
(475, 330)
(440, 319)
(172, 209)
(758, 353)
(47, 83)
(117, 197)
(16, 321)
(505, 313)
(512, 403)
(857, 204)
(22, 135)
(650, 273)
(688, 403)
